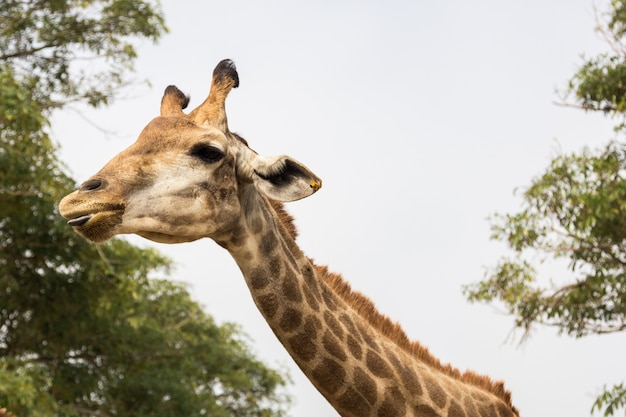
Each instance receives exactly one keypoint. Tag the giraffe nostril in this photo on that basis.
(91, 185)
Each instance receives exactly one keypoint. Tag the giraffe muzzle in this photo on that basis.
(79, 221)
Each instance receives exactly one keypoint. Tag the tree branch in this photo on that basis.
(20, 54)
(91, 412)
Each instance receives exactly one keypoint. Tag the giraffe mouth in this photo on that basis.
(93, 220)
(79, 221)
(97, 227)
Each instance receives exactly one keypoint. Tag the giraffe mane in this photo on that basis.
(389, 328)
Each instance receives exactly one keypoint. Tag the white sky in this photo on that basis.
(421, 118)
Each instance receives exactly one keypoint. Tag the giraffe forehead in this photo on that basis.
(167, 145)
(177, 133)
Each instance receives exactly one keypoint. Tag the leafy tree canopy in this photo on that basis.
(66, 50)
(575, 212)
(599, 83)
(90, 330)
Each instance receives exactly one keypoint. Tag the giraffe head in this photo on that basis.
(186, 177)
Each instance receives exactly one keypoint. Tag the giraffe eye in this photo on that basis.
(206, 153)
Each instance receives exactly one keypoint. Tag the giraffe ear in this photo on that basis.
(284, 178)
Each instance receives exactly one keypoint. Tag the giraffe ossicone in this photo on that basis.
(189, 177)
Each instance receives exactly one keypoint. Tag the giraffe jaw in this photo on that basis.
(165, 238)
(102, 226)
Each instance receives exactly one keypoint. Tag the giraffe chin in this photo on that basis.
(98, 227)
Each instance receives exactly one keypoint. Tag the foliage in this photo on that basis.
(90, 330)
(575, 212)
(611, 399)
(600, 83)
(68, 50)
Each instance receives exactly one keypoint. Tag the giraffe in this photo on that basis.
(188, 177)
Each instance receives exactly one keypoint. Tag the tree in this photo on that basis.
(599, 83)
(91, 330)
(69, 50)
(575, 211)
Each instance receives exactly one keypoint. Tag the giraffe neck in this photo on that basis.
(356, 366)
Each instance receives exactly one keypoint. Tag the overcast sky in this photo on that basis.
(421, 118)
